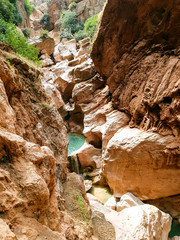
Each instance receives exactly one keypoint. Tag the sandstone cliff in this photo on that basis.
(137, 50)
(137, 53)
(33, 145)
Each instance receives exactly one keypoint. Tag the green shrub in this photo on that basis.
(69, 25)
(80, 35)
(83, 208)
(68, 21)
(72, 5)
(9, 11)
(17, 15)
(19, 43)
(90, 25)
(26, 32)
(45, 21)
(28, 7)
(44, 34)
(79, 26)
(66, 33)
(6, 11)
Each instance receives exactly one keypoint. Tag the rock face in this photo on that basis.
(33, 159)
(54, 10)
(142, 72)
(23, 13)
(139, 43)
(87, 8)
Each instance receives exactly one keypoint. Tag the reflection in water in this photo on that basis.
(102, 193)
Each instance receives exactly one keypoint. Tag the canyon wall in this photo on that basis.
(137, 53)
(23, 13)
(33, 160)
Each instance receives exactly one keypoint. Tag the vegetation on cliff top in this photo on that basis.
(9, 19)
(90, 26)
(19, 43)
(71, 26)
(28, 7)
(9, 11)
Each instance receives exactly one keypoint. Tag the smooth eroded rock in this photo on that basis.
(139, 162)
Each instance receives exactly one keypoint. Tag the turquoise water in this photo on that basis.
(75, 142)
(175, 229)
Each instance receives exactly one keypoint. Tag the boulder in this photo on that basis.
(45, 59)
(55, 34)
(169, 205)
(71, 45)
(55, 94)
(63, 79)
(47, 44)
(103, 228)
(140, 222)
(128, 200)
(88, 185)
(139, 162)
(78, 60)
(89, 156)
(84, 71)
(114, 121)
(62, 53)
(84, 47)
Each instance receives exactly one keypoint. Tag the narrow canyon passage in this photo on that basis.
(90, 120)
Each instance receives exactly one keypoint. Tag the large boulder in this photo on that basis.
(62, 53)
(89, 156)
(47, 44)
(84, 71)
(103, 228)
(142, 163)
(111, 203)
(140, 222)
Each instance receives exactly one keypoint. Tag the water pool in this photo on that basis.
(75, 142)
